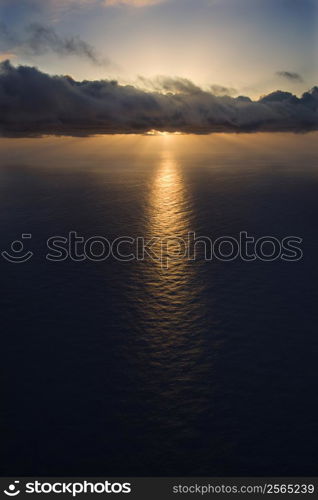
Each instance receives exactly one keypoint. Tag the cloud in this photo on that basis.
(290, 75)
(132, 3)
(31, 4)
(61, 5)
(181, 85)
(167, 84)
(220, 90)
(39, 39)
(6, 55)
(33, 102)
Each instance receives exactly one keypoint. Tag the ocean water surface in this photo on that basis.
(131, 368)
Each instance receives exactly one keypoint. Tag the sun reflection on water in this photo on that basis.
(169, 205)
(169, 307)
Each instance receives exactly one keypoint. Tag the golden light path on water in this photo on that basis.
(168, 222)
(169, 205)
(168, 297)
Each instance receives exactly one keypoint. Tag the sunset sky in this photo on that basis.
(250, 47)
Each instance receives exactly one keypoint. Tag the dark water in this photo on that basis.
(126, 368)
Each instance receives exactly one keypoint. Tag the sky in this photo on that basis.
(234, 47)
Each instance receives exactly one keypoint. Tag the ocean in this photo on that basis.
(153, 363)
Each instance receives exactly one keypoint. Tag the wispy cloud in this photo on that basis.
(180, 85)
(34, 102)
(168, 84)
(221, 90)
(61, 5)
(290, 75)
(39, 39)
(6, 55)
(132, 3)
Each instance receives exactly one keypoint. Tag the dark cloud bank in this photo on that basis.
(34, 103)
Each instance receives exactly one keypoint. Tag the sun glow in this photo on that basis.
(164, 133)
